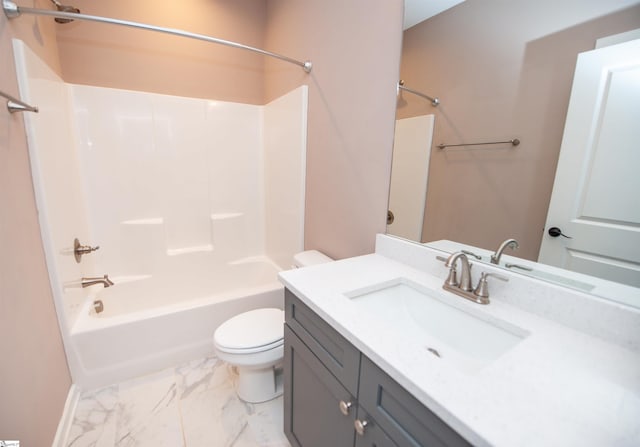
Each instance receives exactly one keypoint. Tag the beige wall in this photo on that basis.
(355, 49)
(34, 377)
(118, 57)
(502, 70)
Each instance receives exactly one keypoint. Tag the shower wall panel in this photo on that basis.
(180, 135)
(236, 154)
(57, 184)
(285, 136)
(169, 176)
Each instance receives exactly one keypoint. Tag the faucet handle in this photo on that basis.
(79, 249)
(494, 275)
(482, 289)
(452, 279)
(470, 253)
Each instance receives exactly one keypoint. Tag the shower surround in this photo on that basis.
(196, 205)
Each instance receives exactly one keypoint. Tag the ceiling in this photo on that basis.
(415, 11)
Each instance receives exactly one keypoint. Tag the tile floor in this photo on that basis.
(191, 405)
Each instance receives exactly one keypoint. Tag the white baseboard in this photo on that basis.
(64, 426)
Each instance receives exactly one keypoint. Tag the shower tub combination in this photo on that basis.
(195, 204)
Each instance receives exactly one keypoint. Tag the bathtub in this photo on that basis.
(151, 322)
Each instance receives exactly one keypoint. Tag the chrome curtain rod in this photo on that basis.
(514, 142)
(11, 10)
(15, 105)
(434, 101)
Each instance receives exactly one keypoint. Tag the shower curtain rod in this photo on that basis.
(434, 101)
(11, 10)
(15, 105)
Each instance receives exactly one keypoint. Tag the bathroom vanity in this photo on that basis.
(377, 353)
(332, 384)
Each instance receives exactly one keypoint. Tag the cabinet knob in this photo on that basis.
(345, 407)
(360, 426)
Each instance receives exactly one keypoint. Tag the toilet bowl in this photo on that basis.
(253, 342)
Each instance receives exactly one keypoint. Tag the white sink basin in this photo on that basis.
(466, 340)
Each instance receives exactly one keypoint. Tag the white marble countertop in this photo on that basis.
(559, 386)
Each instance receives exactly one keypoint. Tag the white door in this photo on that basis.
(596, 194)
(410, 167)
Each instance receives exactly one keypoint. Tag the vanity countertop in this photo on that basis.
(559, 386)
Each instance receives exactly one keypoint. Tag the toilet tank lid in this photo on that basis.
(252, 329)
(310, 257)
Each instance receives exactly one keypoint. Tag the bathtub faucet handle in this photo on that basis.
(79, 249)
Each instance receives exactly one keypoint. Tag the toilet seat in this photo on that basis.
(250, 332)
(253, 350)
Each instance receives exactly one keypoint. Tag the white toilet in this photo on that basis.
(253, 343)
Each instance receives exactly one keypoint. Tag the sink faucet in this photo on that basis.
(465, 274)
(463, 286)
(511, 243)
(105, 281)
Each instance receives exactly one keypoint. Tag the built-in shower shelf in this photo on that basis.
(251, 260)
(148, 221)
(188, 250)
(224, 216)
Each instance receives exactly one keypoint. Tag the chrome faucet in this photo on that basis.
(511, 243)
(105, 281)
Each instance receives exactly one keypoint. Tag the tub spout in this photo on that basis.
(105, 281)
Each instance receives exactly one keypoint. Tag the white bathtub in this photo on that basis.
(152, 323)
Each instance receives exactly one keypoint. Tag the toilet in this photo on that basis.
(253, 343)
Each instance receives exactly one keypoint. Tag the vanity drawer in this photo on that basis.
(402, 417)
(339, 356)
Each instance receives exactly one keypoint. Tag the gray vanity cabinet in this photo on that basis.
(321, 372)
(332, 391)
(400, 415)
(312, 396)
(372, 436)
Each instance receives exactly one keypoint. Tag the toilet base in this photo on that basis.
(259, 385)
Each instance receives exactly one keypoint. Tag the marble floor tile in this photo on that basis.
(265, 424)
(191, 405)
(201, 375)
(147, 412)
(214, 417)
(94, 420)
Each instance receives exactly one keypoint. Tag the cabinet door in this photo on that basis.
(402, 417)
(312, 396)
(332, 349)
(371, 435)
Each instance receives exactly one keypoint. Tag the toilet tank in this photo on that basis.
(310, 257)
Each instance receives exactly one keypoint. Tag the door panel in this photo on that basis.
(408, 189)
(595, 197)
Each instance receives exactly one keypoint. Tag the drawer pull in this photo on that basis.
(360, 426)
(345, 407)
